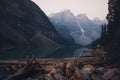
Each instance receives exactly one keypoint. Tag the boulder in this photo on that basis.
(30, 79)
(60, 71)
(85, 75)
(49, 77)
(62, 64)
(77, 75)
(111, 73)
(100, 70)
(59, 77)
(68, 73)
(53, 71)
(97, 77)
(71, 65)
(80, 65)
(48, 69)
(41, 77)
(88, 68)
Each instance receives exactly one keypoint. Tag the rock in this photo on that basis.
(14, 68)
(4, 74)
(30, 79)
(41, 77)
(53, 71)
(63, 67)
(72, 78)
(80, 65)
(59, 71)
(110, 74)
(48, 68)
(71, 65)
(68, 73)
(63, 64)
(70, 68)
(56, 73)
(100, 70)
(85, 75)
(88, 68)
(97, 77)
(60, 77)
(116, 77)
(77, 75)
(49, 77)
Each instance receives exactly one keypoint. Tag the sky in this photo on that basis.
(92, 8)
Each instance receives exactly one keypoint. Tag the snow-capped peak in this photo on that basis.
(79, 28)
(66, 11)
(82, 18)
(97, 21)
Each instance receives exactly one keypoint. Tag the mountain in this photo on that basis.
(80, 29)
(97, 21)
(66, 24)
(92, 29)
(24, 28)
(105, 21)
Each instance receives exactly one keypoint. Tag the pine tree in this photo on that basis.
(103, 39)
(113, 37)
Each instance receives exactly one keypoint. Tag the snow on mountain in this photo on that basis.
(66, 24)
(105, 21)
(97, 21)
(79, 29)
(92, 29)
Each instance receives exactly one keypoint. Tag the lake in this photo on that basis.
(65, 52)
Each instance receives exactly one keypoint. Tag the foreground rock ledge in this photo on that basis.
(83, 68)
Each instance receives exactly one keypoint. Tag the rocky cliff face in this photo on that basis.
(66, 24)
(24, 28)
(79, 29)
(92, 29)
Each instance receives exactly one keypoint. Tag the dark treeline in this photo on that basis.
(110, 35)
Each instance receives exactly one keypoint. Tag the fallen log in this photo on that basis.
(81, 68)
(51, 61)
(23, 72)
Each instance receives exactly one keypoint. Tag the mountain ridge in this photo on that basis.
(89, 30)
(66, 24)
(23, 26)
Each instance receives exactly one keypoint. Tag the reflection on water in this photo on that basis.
(60, 53)
(63, 52)
(70, 52)
(82, 52)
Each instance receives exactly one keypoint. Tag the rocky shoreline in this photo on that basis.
(82, 68)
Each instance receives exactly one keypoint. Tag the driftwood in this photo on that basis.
(65, 68)
(52, 61)
(23, 72)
